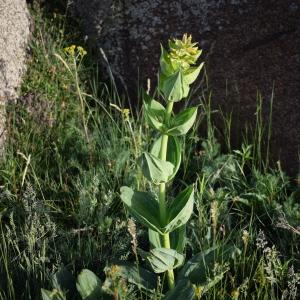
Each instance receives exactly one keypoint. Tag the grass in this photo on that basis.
(71, 146)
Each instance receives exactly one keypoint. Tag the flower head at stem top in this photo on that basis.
(183, 53)
(75, 51)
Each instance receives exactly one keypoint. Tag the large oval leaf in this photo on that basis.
(173, 152)
(182, 123)
(183, 290)
(155, 170)
(89, 285)
(180, 209)
(200, 267)
(174, 86)
(163, 259)
(143, 206)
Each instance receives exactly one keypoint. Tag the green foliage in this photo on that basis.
(164, 259)
(72, 143)
(89, 285)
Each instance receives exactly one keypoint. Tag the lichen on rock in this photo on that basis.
(14, 33)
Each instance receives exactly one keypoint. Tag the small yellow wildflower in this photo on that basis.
(74, 50)
(81, 51)
(126, 113)
(198, 291)
(70, 50)
(183, 53)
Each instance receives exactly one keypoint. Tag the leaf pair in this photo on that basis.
(160, 171)
(145, 208)
(180, 124)
(163, 259)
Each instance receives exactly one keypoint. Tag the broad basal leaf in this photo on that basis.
(89, 285)
(173, 152)
(180, 210)
(183, 290)
(143, 206)
(182, 123)
(156, 170)
(199, 269)
(163, 259)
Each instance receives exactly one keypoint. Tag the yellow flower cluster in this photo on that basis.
(183, 53)
(126, 113)
(74, 50)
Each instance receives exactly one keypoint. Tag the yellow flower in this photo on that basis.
(183, 53)
(198, 291)
(74, 50)
(70, 50)
(126, 113)
(81, 51)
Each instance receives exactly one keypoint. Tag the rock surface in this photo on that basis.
(14, 33)
(249, 46)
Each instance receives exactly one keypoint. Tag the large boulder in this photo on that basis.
(249, 46)
(14, 33)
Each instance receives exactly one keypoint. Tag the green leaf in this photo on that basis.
(156, 170)
(165, 62)
(174, 87)
(180, 209)
(177, 239)
(63, 280)
(182, 123)
(163, 259)
(154, 112)
(173, 152)
(154, 239)
(89, 285)
(139, 276)
(199, 269)
(143, 206)
(192, 73)
(183, 290)
(52, 295)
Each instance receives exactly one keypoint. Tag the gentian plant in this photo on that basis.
(166, 218)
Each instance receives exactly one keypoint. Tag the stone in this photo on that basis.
(249, 47)
(14, 34)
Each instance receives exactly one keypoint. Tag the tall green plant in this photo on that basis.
(164, 218)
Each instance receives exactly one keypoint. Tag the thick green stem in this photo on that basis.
(162, 193)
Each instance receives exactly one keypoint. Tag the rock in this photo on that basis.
(14, 33)
(249, 46)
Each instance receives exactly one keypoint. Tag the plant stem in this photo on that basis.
(162, 193)
(81, 103)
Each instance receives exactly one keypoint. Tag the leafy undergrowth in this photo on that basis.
(72, 145)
